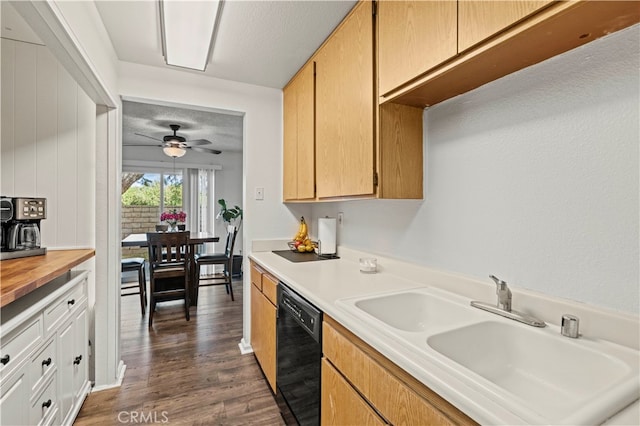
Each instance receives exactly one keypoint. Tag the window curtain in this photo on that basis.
(198, 190)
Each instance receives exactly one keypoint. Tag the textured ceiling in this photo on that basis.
(223, 130)
(258, 42)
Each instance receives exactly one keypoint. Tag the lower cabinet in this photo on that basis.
(360, 385)
(341, 404)
(15, 396)
(45, 344)
(73, 361)
(263, 322)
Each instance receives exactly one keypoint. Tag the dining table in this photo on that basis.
(195, 239)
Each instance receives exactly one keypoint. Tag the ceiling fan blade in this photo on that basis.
(150, 137)
(206, 150)
(197, 142)
(142, 144)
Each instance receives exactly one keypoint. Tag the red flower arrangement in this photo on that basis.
(173, 217)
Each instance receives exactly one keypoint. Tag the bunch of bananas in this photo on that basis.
(301, 241)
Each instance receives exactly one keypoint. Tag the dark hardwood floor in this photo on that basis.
(185, 372)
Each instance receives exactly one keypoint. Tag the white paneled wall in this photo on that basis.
(48, 142)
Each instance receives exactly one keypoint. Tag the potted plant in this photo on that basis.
(230, 216)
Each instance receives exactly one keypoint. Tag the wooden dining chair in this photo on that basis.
(225, 259)
(169, 258)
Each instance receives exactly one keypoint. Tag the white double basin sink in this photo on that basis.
(535, 373)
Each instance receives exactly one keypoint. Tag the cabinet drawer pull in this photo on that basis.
(5, 359)
(46, 362)
(46, 404)
(77, 360)
(71, 302)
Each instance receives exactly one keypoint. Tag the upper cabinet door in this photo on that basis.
(413, 37)
(299, 137)
(344, 108)
(479, 20)
(290, 142)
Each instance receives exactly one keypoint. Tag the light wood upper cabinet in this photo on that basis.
(413, 37)
(497, 38)
(479, 20)
(345, 108)
(299, 136)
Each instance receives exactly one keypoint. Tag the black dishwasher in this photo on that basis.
(299, 350)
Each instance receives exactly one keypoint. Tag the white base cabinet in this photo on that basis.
(43, 354)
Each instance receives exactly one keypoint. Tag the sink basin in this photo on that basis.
(413, 310)
(534, 374)
(563, 380)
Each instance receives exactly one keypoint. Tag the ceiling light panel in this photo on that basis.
(188, 29)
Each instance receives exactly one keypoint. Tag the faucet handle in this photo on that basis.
(501, 284)
(503, 292)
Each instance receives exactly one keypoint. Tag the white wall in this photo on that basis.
(48, 143)
(533, 178)
(228, 185)
(75, 34)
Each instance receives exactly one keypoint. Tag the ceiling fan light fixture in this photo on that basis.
(174, 151)
(188, 31)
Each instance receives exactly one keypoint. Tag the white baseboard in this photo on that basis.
(245, 348)
(122, 367)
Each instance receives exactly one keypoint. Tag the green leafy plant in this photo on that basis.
(229, 215)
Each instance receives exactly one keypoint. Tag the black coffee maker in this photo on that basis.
(20, 219)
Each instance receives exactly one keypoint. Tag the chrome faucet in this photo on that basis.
(503, 307)
(503, 292)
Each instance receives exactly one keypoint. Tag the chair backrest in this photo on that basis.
(166, 248)
(232, 232)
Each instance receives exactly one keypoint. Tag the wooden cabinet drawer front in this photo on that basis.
(43, 407)
(42, 363)
(256, 276)
(341, 404)
(399, 398)
(55, 314)
(17, 344)
(270, 288)
(398, 403)
(350, 360)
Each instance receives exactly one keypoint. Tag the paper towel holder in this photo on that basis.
(327, 246)
(327, 255)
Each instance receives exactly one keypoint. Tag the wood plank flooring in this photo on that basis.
(185, 372)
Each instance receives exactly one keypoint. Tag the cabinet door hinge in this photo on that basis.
(375, 178)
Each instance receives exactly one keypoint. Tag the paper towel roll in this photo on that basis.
(327, 235)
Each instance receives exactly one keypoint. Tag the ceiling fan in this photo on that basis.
(176, 146)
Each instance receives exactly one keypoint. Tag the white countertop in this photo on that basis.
(324, 282)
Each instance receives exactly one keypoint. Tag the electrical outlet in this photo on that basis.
(340, 218)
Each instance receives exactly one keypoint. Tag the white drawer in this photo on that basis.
(17, 345)
(59, 310)
(44, 405)
(42, 364)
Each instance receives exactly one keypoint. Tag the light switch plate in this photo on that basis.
(259, 193)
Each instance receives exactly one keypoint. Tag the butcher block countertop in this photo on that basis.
(19, 277)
